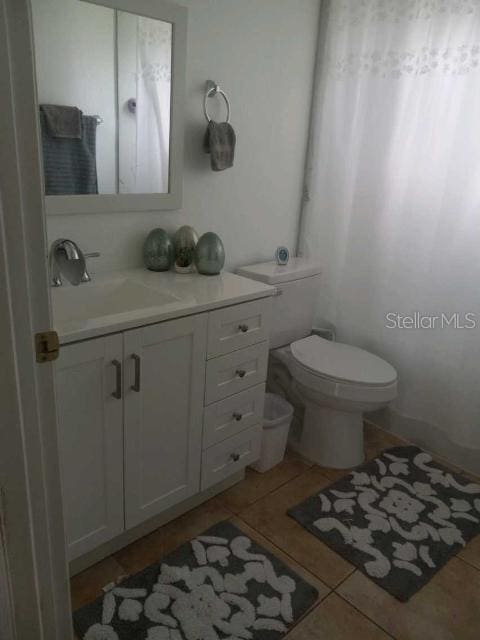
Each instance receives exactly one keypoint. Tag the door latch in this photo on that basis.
(47, 346)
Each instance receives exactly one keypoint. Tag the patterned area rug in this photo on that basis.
(219, 586)
(398, 518)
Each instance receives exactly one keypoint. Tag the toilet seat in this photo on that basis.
(342, 371)
(342, 363)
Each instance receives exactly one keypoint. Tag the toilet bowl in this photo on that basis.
(338, 383)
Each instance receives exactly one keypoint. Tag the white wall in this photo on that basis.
(262, 53)
(75, 63)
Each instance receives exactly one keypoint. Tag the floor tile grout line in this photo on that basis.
(280, 486)
(362, 613)
(290, 557)
(459, 557)
(127, 572)
(354, 568)
(329, 595)
(307, 614)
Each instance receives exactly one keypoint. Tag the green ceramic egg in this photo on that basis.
(185, 240)
(209, 254)
(158, 251)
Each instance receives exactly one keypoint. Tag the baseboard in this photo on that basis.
(429, 437)
(127, 537)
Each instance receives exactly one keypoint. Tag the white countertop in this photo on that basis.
(136, 297)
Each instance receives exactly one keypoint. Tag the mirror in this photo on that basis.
(108, 82)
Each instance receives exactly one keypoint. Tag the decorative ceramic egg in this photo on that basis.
(158, 251)
(209, 254)
(185, 241)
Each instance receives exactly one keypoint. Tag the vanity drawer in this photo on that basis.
(232, 415)
(231, 455)
(238, 327)
(236, 372)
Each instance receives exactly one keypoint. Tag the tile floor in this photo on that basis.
(350, 607)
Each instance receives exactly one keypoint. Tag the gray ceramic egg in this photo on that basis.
(185, 241)
(209, 254)
(158, 251)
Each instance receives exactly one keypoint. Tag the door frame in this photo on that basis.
(32, 518)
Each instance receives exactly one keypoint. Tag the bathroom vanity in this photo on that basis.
(160, 387)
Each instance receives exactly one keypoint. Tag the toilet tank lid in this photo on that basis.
(272, 273)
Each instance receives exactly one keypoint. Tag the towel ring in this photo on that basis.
(212, 89)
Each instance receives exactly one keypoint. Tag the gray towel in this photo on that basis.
(70, 164)
(62, 122)
(219, 142)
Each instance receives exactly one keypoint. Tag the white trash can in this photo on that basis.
(278, 415)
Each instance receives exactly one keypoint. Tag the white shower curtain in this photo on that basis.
(154, 59)
(392, 203)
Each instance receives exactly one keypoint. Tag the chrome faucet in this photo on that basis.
(67, 259)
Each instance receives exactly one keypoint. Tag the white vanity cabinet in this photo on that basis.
(152, 416)
(164, 386)
(90, 440)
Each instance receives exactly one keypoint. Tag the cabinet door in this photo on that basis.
(164, 387)
(90, 434)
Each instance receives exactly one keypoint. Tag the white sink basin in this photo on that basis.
(90, 301)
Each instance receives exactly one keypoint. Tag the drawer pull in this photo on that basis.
(243, 328)
(237, 416)
(240, 373)
(235, 457)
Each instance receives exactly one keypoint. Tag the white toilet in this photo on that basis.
(336, 383)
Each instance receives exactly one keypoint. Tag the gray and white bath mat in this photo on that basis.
(219, 586)
(398, 518)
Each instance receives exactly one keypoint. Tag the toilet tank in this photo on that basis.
(297, 285)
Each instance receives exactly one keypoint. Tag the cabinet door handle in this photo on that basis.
(237, 416)
(235, 457)
(240, 373)
(138, 372)
(117, 394)
(243, 328)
